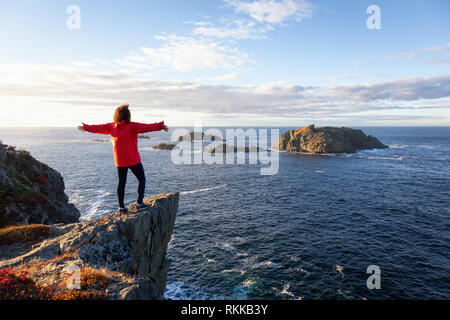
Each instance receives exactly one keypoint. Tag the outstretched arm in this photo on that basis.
(144, 127)
(99, 128)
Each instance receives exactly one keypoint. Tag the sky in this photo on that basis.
(225, 62)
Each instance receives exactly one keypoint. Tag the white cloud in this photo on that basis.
(188, 53)
(48, 84)
(260, 18)
(414, 54)
(438, 61)
(225, 77)
(237, 29)
(274, 12)
(357, 62)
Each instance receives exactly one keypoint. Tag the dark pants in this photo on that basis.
(138, 171)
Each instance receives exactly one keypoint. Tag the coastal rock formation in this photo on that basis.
(224, 148)
(164, 146)
(327, 140)
(31, 191)
(126, 251)
(196, 136)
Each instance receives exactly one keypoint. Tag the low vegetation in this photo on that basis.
(20, 234)
(20, 283)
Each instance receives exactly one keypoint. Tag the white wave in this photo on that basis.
(340, 269)
(387, 158)
(426, 146)
(226, 245)
(399, 146)
(94, 204)
(204, 189)
(181, 291)
(238, 271)
(268, 264)
(241, 291)
(242, 254)
(285, 292)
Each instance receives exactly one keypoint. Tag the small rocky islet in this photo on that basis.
(164, 146)
(326, 140)
(198, 136)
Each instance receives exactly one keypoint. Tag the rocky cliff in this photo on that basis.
(31, 191)
(327, 140)
(120, 256)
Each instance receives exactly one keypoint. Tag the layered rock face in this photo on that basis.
(327, 140)
(132, 244)
(31, 191)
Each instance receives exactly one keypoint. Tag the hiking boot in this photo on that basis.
(141, 206)
(122, 210)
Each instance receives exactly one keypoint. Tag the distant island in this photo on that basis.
(164, 146)
(193, 136)
(327, 140)
(224, 148)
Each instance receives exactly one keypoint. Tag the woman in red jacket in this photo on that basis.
(124, 135)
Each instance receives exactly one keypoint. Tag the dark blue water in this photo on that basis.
(308, 232)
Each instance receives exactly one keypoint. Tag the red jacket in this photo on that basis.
(124, 139)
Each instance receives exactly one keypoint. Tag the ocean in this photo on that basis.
(308, 232)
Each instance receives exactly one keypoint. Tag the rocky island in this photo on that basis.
(164, 146)
(42, 242)
(228, 148)
(197, 136)
(327, 140)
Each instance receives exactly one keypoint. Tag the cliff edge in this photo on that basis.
(119, 256)
(327, 140)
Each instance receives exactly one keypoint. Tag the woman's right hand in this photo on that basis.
(80, 128)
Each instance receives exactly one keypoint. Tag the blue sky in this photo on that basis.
(231, 62)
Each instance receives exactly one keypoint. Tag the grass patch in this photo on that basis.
(20, 234)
